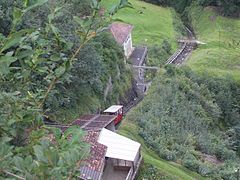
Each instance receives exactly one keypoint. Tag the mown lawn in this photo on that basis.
(221, 55)
(152, 24)
(170, 169)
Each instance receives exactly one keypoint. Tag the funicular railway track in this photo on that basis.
(187, 47)
(177, 58)
(132, 104)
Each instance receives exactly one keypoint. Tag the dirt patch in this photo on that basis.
(212, 159)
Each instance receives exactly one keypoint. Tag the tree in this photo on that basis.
(32, 61)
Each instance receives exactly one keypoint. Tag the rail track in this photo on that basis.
(186, 48)
(131, 104)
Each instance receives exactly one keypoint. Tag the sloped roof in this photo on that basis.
(94, 164)
(118, 147)
(120, 31)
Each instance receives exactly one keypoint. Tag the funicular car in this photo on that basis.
(115, 110)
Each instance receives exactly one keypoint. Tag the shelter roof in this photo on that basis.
(120, 31)
(113, 109)
(118, 147)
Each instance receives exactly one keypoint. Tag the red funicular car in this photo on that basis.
(115, 110)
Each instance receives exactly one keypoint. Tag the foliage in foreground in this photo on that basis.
(186, 116)
(34, 59)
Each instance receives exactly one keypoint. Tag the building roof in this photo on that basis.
(94, 122)
(120, 31)
(113, 109)
(118, 147)
(94, 164)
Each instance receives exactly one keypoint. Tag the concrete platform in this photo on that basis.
(112, 174)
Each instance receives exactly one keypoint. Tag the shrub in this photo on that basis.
(204, 169)
(190, 162)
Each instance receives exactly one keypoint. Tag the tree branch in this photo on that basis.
(85, 40)
(14, 175)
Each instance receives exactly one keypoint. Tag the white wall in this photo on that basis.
(127, 46)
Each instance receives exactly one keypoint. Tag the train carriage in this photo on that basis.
(115, 110)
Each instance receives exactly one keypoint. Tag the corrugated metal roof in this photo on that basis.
(118, 147)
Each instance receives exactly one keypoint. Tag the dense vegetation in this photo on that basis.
(84, 87)
(47, 47)
(100, 61)
(227, 8)
(186, 116)
(154, 167)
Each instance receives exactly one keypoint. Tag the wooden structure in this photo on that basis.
(123, 154)
(116, 110)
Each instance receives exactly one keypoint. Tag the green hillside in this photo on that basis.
(152, 24)
(220, 56)
(167, 170)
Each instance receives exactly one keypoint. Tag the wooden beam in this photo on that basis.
(145, 67)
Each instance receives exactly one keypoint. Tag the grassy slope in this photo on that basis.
(152, 26)
(170, 169)
(221, 55)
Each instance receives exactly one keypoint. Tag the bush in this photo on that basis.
(150, 172)
(167, 154)
(190, 162)
(205, 170)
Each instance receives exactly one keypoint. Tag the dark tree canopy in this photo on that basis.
(226, 7)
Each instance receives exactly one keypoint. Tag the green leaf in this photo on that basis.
(52, 157)
(14, 39)
(5, 62)
(5, 139)
(23, 54)
(95, 4)
(78, 20)
(38, 150)
(42, 69)
(18, 161)
(55, 30)
(36, 4)
(59, 71)
(17, 15)
(67, 65)
(57, 132)
(26, 3)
